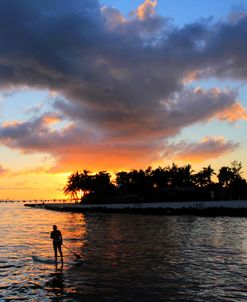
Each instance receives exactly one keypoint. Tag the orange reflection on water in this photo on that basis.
(29, 229)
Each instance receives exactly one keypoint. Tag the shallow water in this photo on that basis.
(125, 257)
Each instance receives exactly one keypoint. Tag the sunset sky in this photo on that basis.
(118, 84)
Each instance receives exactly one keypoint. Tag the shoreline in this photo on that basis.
(202, 208)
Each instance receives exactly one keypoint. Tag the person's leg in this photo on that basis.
(60, 252)
(55, 251)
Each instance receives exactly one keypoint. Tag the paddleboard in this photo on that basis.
(43, 260)
(52, 261)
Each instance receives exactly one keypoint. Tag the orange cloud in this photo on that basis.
(51, 119)
(10, 124)
(233, 113)
(146, 9)
(115, 137)
(191, 77)
(103, 160)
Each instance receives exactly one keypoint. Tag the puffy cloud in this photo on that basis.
(112, 17)
(227, 48)
(69, 48)
(95, 143)
(208, 148)
(32, 135)
(146, 9)
(122, 79)
(150, 122)
(233, 113)
(34, 109)
(73, 145)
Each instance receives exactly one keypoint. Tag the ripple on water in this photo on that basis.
(125, 257)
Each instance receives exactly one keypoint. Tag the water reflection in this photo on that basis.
(56, 282)
(179, 258)
(124, 257)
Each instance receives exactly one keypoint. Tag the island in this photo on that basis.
(170, 190)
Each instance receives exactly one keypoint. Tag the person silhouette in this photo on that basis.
(57, 238)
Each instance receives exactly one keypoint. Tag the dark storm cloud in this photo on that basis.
(67, 46)
(227, 49)
(121, 78)
(164, 120)
(39, 39)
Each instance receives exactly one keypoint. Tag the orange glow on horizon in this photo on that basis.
(50, 186)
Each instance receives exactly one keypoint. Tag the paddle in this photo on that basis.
(77, 256)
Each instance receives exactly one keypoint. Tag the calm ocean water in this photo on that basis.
(125, 257)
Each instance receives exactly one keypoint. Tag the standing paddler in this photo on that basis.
(57, 238)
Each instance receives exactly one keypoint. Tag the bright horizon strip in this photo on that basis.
(40, 171)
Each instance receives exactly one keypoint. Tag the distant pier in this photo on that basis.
(204, 208)
(39, 201)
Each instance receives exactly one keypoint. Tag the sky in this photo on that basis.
(118, 85)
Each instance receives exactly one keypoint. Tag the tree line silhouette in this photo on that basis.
(171, 183)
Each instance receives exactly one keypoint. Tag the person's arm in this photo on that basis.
(61, 238)
(51, 235)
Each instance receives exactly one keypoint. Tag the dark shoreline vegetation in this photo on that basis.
(171, 183)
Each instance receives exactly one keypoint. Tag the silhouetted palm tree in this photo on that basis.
(149, 181)
(73, 185)
(86, 181)
(204, 177)
(236, 168)
(101, 182)
(181, 176)
(160, 177)
(225, 176)
(123, 180)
